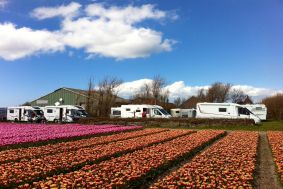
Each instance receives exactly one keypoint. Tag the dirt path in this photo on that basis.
(266, 173)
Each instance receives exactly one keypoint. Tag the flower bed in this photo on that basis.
(129, 170)
(11, 134)
(28, 170)
(275, 139)
(34, 152)
(229, 163)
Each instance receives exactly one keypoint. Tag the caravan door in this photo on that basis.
(243, 113)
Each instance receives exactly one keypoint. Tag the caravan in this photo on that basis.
(225, 110)
(258, 109)
(25, 113)
(184, 113)
(64, 113)
(139, 111)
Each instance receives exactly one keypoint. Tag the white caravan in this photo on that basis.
(25, 113)
(225, 110)
(64, 113)
(258, 109)
(184, 113)
(139, 111)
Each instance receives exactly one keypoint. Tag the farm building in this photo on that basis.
(69, 96)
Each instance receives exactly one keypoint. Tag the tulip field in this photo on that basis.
(130, 157)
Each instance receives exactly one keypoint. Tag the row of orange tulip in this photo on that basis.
(33, 152)
(229, 163)
(27, 170)
(129, 170)
(276, 141)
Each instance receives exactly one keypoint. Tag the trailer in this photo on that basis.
(64, 113)
(183, 113)
(25, 114)
(139, 111)
(225, 111)
(258, 109)
(3, 114)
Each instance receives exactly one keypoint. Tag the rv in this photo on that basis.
(139, 111)
(63, 113)
(224, 110)
(25, 113)
(184, 113)
(258, 109)
(3, 114)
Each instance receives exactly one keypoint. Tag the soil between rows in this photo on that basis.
(266, 176)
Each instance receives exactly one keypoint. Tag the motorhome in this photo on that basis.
(139, 111)
(63, 113)
(224, 110)
(258, 109)
(184, 113)
(3, 114)
(25, 113)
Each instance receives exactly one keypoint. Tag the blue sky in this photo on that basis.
(45, 45)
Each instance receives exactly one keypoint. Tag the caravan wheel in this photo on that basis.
(16, 120)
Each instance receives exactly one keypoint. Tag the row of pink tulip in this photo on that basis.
(276, 141)
(128, 170)
(33, 152)
(27, 170)
(229, 163)
(22, 133)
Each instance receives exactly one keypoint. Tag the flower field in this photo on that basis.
(11, 133)
(228, 163)
(276, 142)
(139, 158)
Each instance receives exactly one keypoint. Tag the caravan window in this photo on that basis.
(116, 112)
(177, 112)
(222, 109)
(11, 111)
(258, 108)
(243, 111)
(128, 109)
(156, 112)
(49, 111)
(138, 110)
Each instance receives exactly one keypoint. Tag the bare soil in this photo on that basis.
(266, 176)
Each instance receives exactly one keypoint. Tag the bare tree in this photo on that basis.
(90, 97)
(156, 87)
(274, 106)
(178, 101)
(201, 95)
(237, 96)
(218, 92)
(107, 90)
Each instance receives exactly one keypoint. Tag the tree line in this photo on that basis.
(104, 96)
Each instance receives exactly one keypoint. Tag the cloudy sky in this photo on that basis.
(45, 45)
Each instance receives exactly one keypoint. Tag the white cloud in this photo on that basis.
(180, 89)
(21, 42)
(3, 3)
(100, 31)
(68, 11)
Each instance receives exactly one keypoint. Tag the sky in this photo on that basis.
(45, 45)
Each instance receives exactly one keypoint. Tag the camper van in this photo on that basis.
(139, 111)
(3, 114)
(25, 113)
(224, 110)
(184, 113)
(258, 109)
(64, 113)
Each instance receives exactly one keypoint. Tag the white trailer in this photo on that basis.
(139, 111)
(25, 113)
(184, 113)
(64, 113)
(258, 109)
(224, 110)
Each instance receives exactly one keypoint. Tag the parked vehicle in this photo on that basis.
(25, 113)
(3, 114)
(225, 110)
(184, 113)
(64, 113)
(139, 111)
(258, 109)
